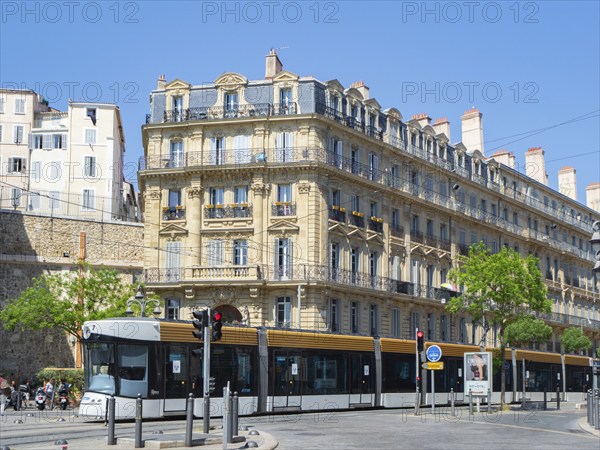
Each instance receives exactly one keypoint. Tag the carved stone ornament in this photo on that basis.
(253, 292)
(195, 191)
(223, 295)
(152, 195)
(189, 293)
(260, 188)
(303, 188)
(256, 311)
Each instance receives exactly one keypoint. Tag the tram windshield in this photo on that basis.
(99, 370)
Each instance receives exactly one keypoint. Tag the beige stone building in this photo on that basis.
(291, 202)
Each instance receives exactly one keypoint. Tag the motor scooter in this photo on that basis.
(63, 396)
(40, 398)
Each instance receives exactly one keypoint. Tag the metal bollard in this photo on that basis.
(557, 397)
(138, 422)
(592, 411)
(589, 408)
(189, 420)
(545, 399)
(470, 405)
(111, 440)
(226, 405)
(230, 420)
(234, 414)
(417, 401)
(206, 416)
(489, 401)
(597, 415)
(452, 410)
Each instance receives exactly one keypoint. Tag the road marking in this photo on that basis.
(583, 433)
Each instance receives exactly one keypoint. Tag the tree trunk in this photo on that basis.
(502, 371)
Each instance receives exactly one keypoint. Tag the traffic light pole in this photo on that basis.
(206, 375)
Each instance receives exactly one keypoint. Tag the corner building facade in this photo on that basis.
(294, 203)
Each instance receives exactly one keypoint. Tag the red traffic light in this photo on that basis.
(420, 334)
(217, 316)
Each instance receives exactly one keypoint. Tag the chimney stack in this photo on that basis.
(504, 157)
(442, 126)
(273, 65)
(361, 87)
(567, 184)
(422, 118)
(592, 196)
(472, 130)
(535, 166)
(162, 83)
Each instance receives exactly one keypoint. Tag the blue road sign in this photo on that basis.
(434, 353)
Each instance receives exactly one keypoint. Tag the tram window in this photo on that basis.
(133, 361)
(326, 374)
(99, 370)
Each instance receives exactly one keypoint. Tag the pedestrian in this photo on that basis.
(4, 392)
(49, 390)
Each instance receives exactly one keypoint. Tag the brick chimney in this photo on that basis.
(422, 118)
(592, 196)
(361, 87)
(535, 166)
(472, 130)
(273, 65)
(162, 83)
(504, 157)
(567, 184)
(442, 126)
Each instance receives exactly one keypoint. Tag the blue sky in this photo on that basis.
(526, 65)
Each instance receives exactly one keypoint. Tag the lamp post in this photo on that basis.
(142, 301)
(595, 240)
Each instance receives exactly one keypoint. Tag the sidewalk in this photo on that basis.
(585, 426)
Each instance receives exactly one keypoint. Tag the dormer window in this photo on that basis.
(231, 101)
(334, 102)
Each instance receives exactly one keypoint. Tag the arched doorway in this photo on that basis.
(230, 313)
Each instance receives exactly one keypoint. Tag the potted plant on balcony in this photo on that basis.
(358, 214)
(210, 206)
(179, 207)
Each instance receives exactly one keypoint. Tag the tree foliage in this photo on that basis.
(573, 339)
(498, 289)
(527, 329)
(66, 300)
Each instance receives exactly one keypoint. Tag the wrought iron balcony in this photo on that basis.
(283, 209)
(463, 249)
(417, 236)
(355, 124)
(284, 109)
(397, 231)
(174, 213)
(338, 214)
(233, 211)
(357, 219)
(374, 132)
(376, 224)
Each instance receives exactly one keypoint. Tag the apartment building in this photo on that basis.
(292, 202)
(61, 163)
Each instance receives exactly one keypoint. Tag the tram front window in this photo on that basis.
(99, 370)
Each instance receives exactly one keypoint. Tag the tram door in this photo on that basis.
(361, 380)
(287, 380)
(176, 370)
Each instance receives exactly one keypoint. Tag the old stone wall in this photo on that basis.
(32, 245)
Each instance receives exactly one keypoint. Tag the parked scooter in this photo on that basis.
(40, 398)
(63, 395)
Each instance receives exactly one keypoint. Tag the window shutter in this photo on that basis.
(213, 151)
(30, 141)
(36, 170)
(64, 141)
(46, 141)
(276, 259)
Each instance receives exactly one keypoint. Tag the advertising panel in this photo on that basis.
(478, 372)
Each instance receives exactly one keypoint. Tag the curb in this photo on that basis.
(587, 428)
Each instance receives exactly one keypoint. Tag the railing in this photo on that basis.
(283, 209)
(397, 231)
(206, 273)
(284, 109)
(174, 214)
(357, 220)
(376, 225)
(337, 214)
(417, 236)
(238, 211)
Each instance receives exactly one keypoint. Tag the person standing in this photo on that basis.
(4, 391)
(49, 390)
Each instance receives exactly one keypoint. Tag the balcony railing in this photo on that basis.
(174, 213)
(397, 231)
(203, 273)
(376, 224)
(283, 209)
(417, 236)
(284, 109)
(234, 211)
(338, 214)
(357, 219)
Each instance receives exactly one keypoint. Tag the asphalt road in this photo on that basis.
(377, 429)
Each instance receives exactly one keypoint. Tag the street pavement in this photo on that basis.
(373, 429)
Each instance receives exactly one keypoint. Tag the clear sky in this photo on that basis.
(527, 66)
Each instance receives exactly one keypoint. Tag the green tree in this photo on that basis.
(65, 300)
(573, 340)
(527, 329)
(498, 289)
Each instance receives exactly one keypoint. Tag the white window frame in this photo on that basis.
(18, 129)
(20, 105)
(86, 196)
(90, 136)
(89, 166)
(240, 252)
(12, 163)
(283, 312)
(172, 307)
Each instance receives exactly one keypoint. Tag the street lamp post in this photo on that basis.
(142, 301)
(594, 241)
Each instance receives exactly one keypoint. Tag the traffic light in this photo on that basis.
(420, 341)
(216, 326)
(200, 322)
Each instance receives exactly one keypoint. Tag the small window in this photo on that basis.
(283, 312)
(354, 317)
(334, 316)
(89, 168)
(91, 113)
(88, 199)
(19, 106)
(16, 165)
(18, 134)
(90, 136)
(172, 308)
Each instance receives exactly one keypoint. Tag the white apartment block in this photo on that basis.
(61, 163)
